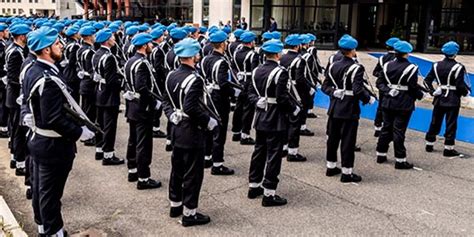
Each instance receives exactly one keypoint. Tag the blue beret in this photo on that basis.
(276, 35)
(87, 31)
(451, 48)
(311, 36)
(305, 39)
(42, 38)
(178, 33)
(202, 29)
(99, 25)
(127, 24)
(213, 29)
(227, 29)
(143, 28)
(103, 35)
(293, 40)
(170, 27)
(272, 46)
(141, 39)
(187, 48)
(113, 28)
(19, 29)
(248, 37)
(218, 37)
(162, 27)
(390, 42)
(156, 33)
(131, 30)
(238, 33)
(156, 25)
(59, 27)
(72, 30)
(3, 26)
(267, 35)
(347, 42)
(190, 29)
(403, 47)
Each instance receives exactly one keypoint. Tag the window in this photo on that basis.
(31, 11)
(19, 1)
(53, 1)
(205, 12)
(14, 11)
(20, 11)
(36, 1)
(3, 10)
(13, 1)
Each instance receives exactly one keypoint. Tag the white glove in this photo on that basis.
(312, 91)
(237, 92)
(338, 93)
(158, 105)
(128, 95)
(393, 92)
(28, 120)
(19, 100)
(262, 103)
(468, 93)
(211, 124)
(209, 88)
(372, 100)
(86, 134)
(438, 91)
(175, 118)
(425, 95)
(297, 111)
(5, 80)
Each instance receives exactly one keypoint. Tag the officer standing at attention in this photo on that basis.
(449, 75)
(157, 60)
(184, 107)
(128, 48)
(69, 61)
(15, 55)
(399, 84)
(141, 109)
(345, 86)
(52, 145)
(107, 75)
(269, 93)
(85, 71)
(4, 36)
(216, 70)
(378, 71)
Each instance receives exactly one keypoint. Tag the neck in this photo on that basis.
(88, 41)
(272, 59)
(189, 63)
(142, 51)
(18, 42)
(46, 58)
(220, 50)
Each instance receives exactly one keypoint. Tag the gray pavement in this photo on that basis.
(438, 200)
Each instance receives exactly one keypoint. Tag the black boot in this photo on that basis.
(149, 184)
(350, 178)
(132, 177)
(176, 211)
(29, 194)
(12, 164)
(306, 132)
(332, 171)
(90, 142)
(255, 192)
(207, 164)
(236, 137)
(284, 153)
(452, 153)
(272, 201)
(377, 133)
(247, 141)
(112, 161)
(20, 171)
(312, 115)
(429, 148)
(381, 159)
(3, 134)
(159, 134)
(221, 170)
(197, 219)
(357, 148)
(403, 166)
(169, 147)
(99, 155)
(295, 158)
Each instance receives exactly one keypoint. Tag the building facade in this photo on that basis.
(61, 8)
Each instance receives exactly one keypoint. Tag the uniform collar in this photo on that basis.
(140, 54)
(186, 67)
(270, 62)
(449, 59)
(105, 47)
(214, 52)
(49, 64)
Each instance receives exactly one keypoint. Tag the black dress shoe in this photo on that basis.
(159, 134)
(332, 171)
(403, 166)
(207, 164)
(357, 148)
(29, 194)
(169, 147)
(197, 219)
(247, 141)
(3, 134)
(221, 170)
(90, 142)
(381, 159)
(255, 192)
(20, 171)
(312, 115)
(236, 137)
(452, 153)
(284, 153)
(272, 201)
(176, 211)
(149, 184)
(112, 161)
(350, 178)
(377, 133)
(12, 164)
(295, 158)
(429, 148)
(99, 155)
(306, 132)
(132, 177)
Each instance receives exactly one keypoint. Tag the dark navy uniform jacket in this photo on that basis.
(453, 97)
(348, 107)
(297, 75)
(378, 70)
(84, 61)
(108, 93)
(49, 113)
(15, 56)
(70, 70)
(3, 48)
(190, 132)
(25, 84)
(157, 60)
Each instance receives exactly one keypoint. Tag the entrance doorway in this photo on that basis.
(367, 25)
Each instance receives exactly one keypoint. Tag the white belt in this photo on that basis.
(446, 87)
(183, 114)
(271, 100)
(398, 87)
(349, 93)
(245, 73)
(102, 81)
(215, 87)
(46, 132)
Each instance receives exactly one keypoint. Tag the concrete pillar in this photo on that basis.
(197, 12)
(245, 11)
(109, 10)
(86, 9)
(127, 8)
(96, 7)
(119, 8)
(219, 10)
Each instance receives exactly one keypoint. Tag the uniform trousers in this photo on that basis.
(107, 119)
(343, 132)
(439, 114)
(395, 123)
